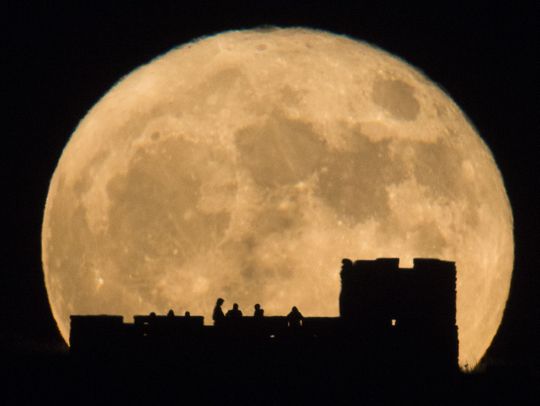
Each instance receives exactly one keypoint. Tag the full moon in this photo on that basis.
(246, 165)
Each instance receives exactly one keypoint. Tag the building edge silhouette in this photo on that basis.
(392, 317)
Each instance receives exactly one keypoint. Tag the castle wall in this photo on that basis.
(413, 309)
(388, 314)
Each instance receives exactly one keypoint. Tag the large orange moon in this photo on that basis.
(246, 165)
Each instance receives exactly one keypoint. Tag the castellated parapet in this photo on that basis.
(389, 316)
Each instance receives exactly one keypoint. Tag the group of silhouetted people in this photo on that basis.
(170, 314)
(233, 314)
(294, 318)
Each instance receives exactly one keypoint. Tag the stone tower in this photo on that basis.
(409, 310)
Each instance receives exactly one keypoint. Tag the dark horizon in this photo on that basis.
(395, 337)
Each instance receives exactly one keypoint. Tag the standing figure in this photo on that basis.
(234, 313)
(259, 312)
(218, 315)
(295, 318)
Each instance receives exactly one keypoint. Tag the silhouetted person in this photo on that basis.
(170, 314)
(187, 314)
(152, 317)
(151, 323)
(218, 315)
(259, 312)
(234, 313)
(295, 318)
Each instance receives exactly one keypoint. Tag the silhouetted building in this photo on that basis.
(413, 309)
(388, 315)
(96, 333)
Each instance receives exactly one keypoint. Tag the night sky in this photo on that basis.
(61, 59)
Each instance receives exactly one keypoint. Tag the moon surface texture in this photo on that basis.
(246, 165)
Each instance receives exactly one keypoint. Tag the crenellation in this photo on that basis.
(387, 313)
